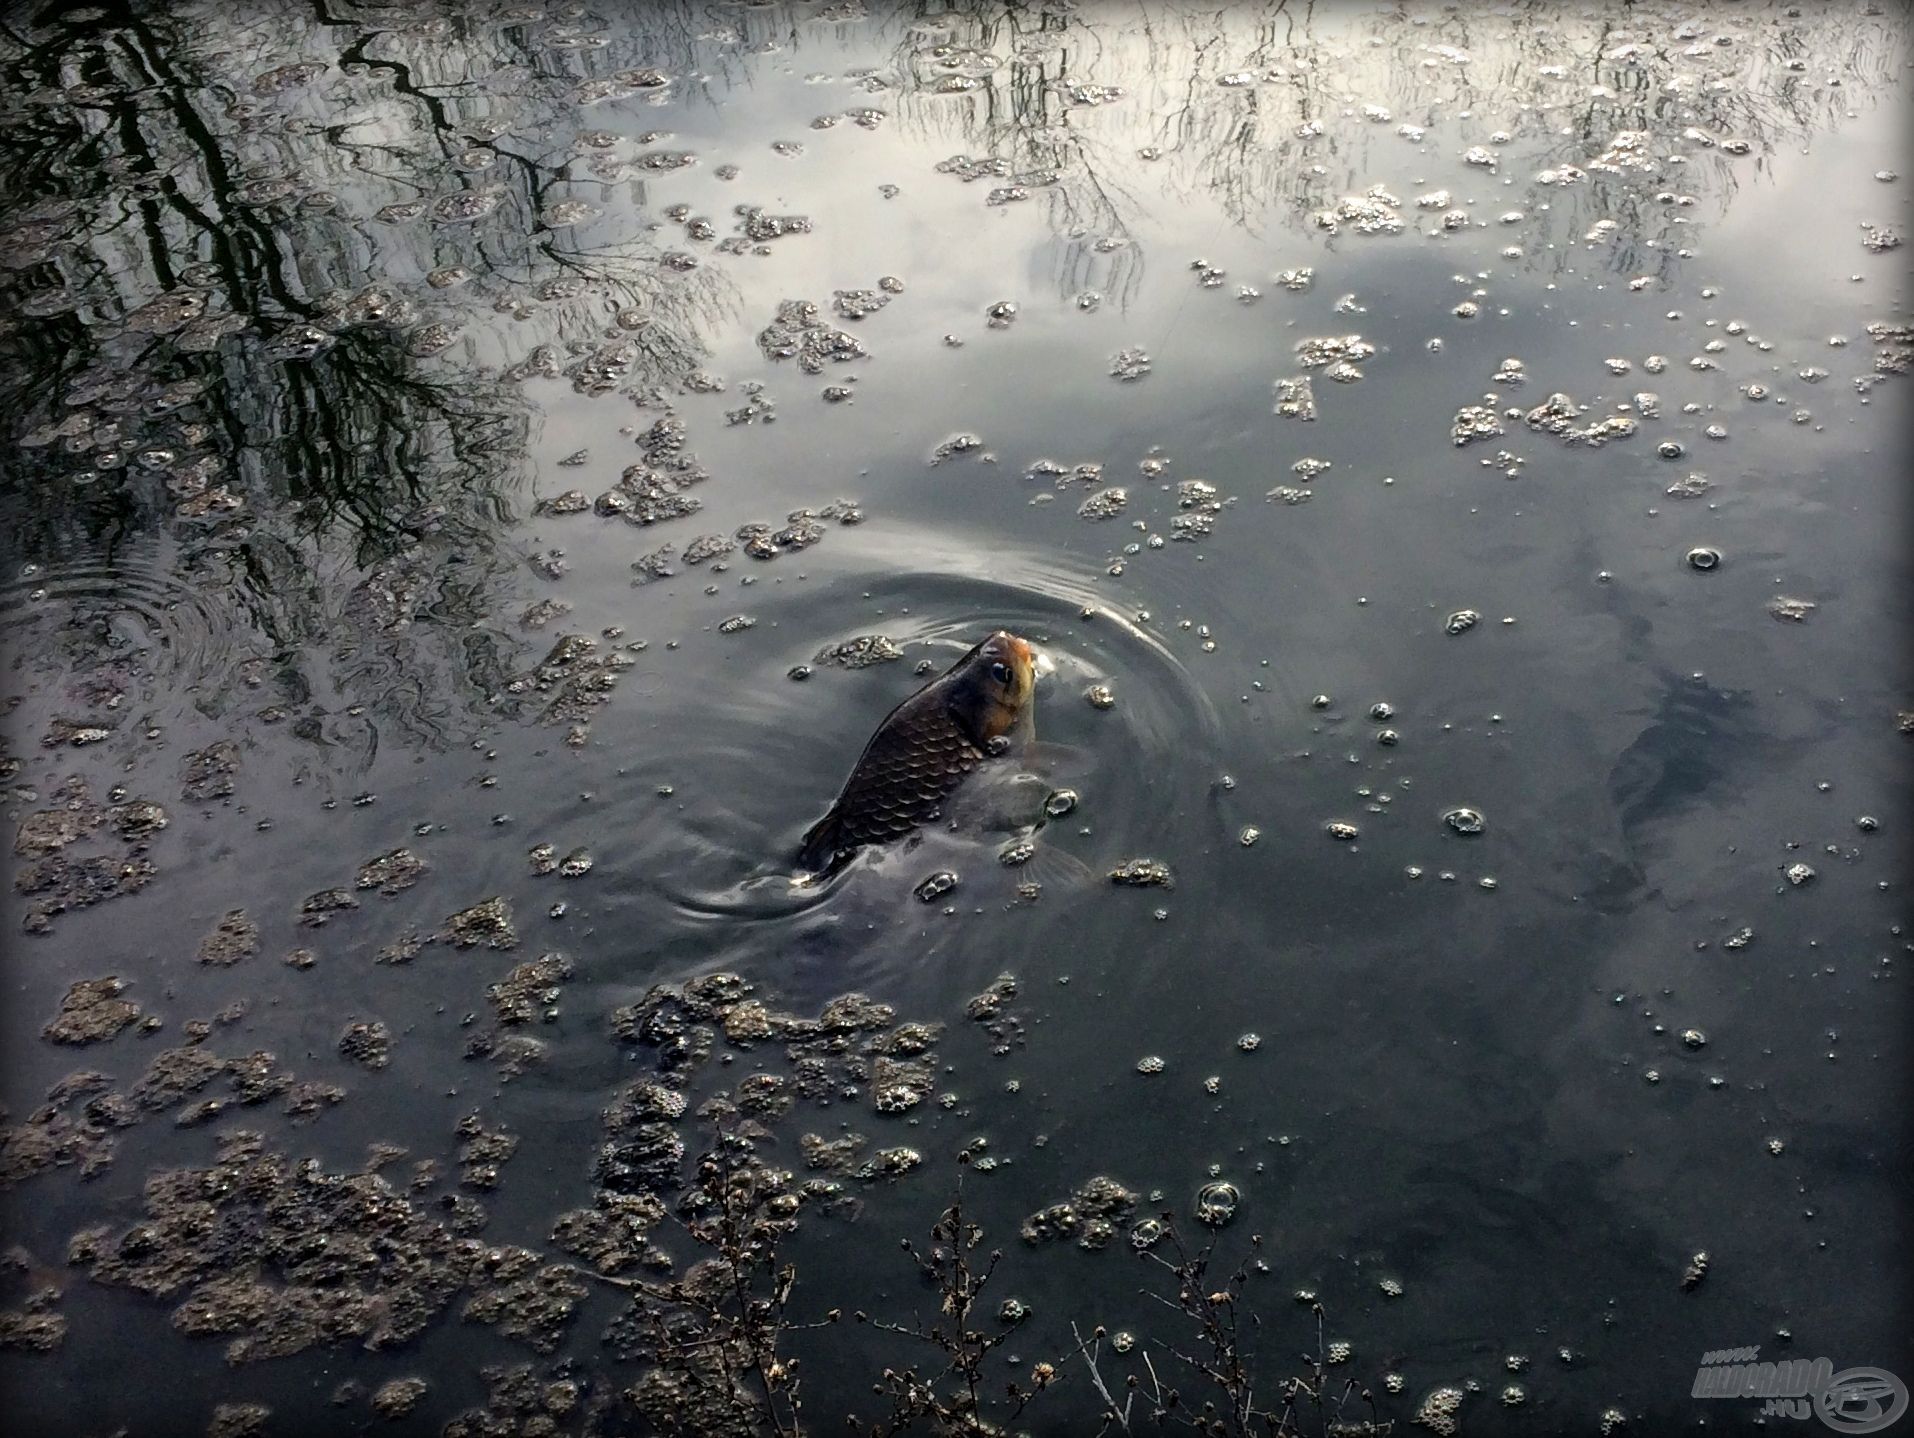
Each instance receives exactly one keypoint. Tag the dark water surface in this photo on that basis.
(314, 315)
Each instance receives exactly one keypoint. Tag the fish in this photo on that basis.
(925, 748)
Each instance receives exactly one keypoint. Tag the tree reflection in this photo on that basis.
(1273, 110)
(207, 394)
(276, 275)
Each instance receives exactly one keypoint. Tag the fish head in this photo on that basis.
(990, 687)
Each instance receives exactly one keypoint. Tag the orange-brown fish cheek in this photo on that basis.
(999, 718)
(1003, 711)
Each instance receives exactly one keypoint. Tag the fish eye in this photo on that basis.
(1000, 671)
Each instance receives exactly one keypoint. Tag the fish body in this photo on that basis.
(924, 749)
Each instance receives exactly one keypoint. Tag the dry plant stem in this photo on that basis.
(948, 1265)
(731, 1313)
(1215, 1314)
(1112, 1414)
(731, 1321)
(1221, 1315)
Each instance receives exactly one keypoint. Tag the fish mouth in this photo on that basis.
(1020, 647)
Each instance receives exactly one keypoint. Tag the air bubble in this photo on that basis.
(1216, 1203)
(935, 886)
(1465, 821)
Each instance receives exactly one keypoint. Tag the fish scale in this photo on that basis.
(917, 757)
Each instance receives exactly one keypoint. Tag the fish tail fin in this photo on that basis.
(820, 848)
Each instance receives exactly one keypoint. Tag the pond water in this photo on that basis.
(1451, 461)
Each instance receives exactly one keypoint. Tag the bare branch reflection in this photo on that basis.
(278, 278)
